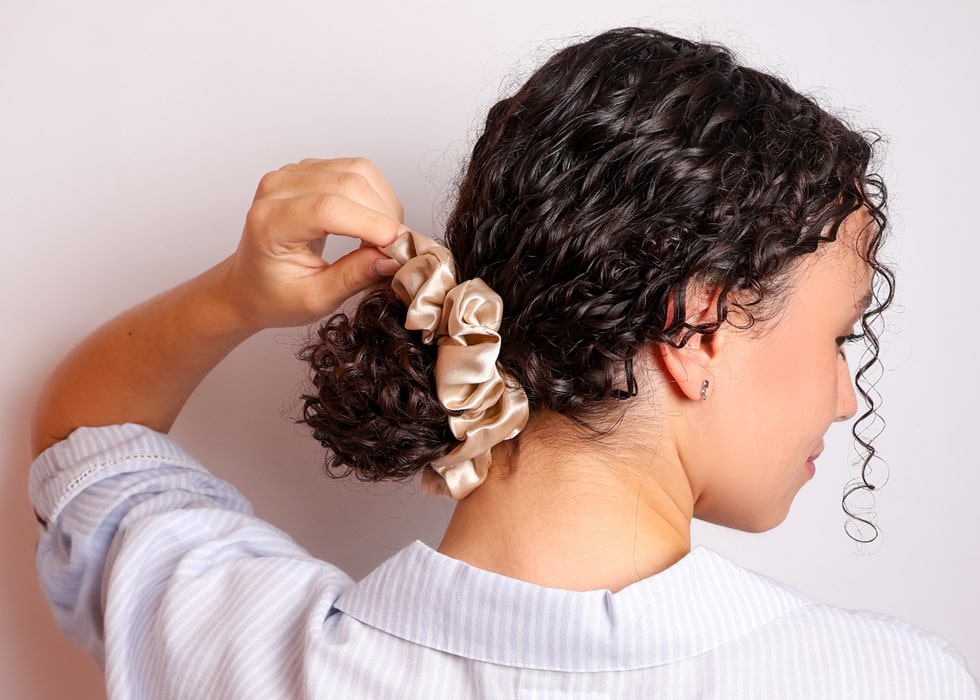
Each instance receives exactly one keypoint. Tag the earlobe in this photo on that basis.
(691, 366)
(686, 368)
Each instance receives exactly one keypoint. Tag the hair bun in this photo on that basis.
(373, 402)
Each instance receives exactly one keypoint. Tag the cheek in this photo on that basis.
(803, 382)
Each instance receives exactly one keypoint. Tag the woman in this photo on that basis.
(653, 264)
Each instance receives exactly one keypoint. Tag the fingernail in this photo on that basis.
(386, 267)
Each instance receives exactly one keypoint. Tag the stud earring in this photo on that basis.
(704, 390)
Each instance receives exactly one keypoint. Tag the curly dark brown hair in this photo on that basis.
(625, 169)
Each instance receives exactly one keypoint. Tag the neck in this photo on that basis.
(569, 511)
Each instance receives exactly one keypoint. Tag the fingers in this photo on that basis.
(287, 224)
(354, 177)
(355, 272)
(276, 276)
(284, 184)
(299, 204)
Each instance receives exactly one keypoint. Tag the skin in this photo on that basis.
(559, 509)
(143, 365)
(774, 393)
(577, 514)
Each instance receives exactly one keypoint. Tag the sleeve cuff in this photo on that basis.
(92, 454)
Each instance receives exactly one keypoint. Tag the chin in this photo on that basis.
(746, 522)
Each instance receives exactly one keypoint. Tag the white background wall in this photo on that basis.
(132, 135)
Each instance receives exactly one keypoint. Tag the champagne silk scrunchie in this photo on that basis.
(486, 407)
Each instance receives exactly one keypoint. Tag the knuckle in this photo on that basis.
(352, 184)
(363, 167)
(326, 206)
(350, 280)
(269, 184)
(258, 216)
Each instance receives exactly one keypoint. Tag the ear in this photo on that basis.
(694, 363)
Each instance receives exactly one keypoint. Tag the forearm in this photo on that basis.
(142, 366)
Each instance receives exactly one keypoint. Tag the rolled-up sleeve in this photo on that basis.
(92, 487)
(148, 560)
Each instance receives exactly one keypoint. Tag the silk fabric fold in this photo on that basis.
(485, 406)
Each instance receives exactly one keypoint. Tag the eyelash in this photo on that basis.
(844, 339)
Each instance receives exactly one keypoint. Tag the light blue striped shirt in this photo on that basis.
(160, 570)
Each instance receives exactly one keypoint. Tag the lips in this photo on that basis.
(811, 468)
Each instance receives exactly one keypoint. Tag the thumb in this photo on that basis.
(358, 270)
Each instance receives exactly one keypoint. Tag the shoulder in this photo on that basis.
(847, 653)
(809, 650)
(879, 641)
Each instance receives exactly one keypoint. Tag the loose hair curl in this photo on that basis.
(626, 169)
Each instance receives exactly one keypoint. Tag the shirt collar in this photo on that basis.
(696, 605)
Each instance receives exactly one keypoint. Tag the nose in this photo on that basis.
(846, 396)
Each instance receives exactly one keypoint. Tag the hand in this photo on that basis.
(276, 277)
(141, 366)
